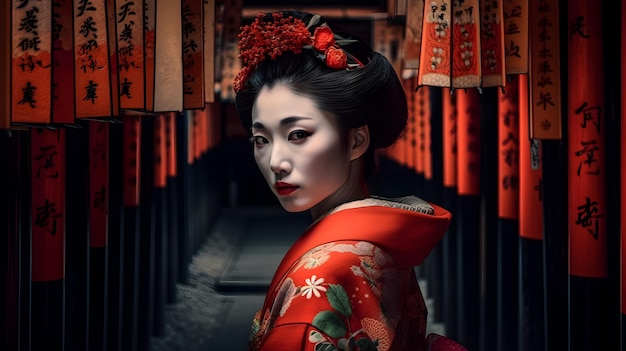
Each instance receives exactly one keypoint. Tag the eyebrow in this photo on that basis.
(283, 122)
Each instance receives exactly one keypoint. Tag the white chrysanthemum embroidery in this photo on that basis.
(315, 260)
(313, 287)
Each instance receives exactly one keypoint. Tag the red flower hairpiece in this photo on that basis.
(263, 39)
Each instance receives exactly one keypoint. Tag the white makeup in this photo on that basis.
(298, 149)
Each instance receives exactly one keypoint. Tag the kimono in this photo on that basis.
(348, 282)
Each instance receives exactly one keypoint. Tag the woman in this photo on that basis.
(318, 103)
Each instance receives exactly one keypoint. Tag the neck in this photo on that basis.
(355, 188)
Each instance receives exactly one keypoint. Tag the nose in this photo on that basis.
(279, 160)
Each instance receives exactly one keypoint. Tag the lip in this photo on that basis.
(284, 189)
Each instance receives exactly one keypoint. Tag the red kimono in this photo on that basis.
(348, 282)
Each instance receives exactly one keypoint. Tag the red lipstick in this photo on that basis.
(284, 189)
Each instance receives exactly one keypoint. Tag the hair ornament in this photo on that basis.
(269, 39)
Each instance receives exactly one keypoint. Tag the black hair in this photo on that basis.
(371, 95)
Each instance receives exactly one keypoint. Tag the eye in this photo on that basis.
(258, 140)
(298, 135)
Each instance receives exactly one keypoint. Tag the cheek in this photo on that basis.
(328, 163)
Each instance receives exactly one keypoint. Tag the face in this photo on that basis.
(298, 148)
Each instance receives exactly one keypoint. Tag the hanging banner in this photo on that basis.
(31, 53)
(6, 65)
(130, 53)
(199, 117)
(193, 54)
(436, 45)
(47, 204)
(545, 78)
(160, 151)
(409, 89)
(450, 48)
(623, 168)
(149, 44)
(189, 116)
(425, 147)
(466, 45)
(209, 50)
(215, 128)
(492, 43)
(230, 50)
(508, 150)
(63, 57)
(388, 40)
(164, 47)
(131, 159)
(530, 170)
(587, 203)
(413, 33)
(91, 63)
(449, 138)
(113, 58)
(98, 183)
(516, 36)
(468, 138)
(170, 142)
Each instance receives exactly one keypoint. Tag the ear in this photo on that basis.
(359, 141)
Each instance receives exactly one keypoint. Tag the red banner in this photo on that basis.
(132, 160)
(449, 138)
(623, 166)
(98, 183)
(426, 138)
(492, 43)
(160, 151)
(31, 52)
(530, 168)
(93, 72)
(508, 150)
(435, 60)
(170, 142)
(516, 17)
(587, 203)
(48, 204)
(468, 141)
(63, 57)
(409, 89)
(209, 50)
(193, 54)
(545, 77)
(5, 64)
(130, 53)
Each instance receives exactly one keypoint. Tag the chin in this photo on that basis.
(294, 208)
